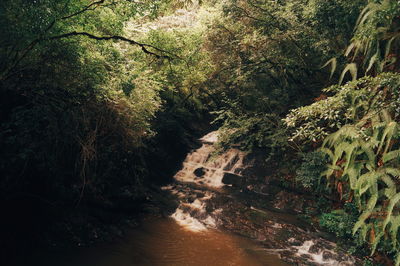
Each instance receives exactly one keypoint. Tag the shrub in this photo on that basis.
(309, 173)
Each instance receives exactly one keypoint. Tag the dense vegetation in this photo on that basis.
(86, 114)
(100, 99)
(357, 124)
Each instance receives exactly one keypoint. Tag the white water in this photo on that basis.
(318, 257)
(210, 174)
(183, 214)
(192, 215)
(230, 162)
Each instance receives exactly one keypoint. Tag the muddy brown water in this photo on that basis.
(163, 242)
(191, 236)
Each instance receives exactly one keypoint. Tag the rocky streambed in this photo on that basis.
(231, 192)
(220, 209)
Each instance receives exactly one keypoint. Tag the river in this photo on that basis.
(219, 221)
(164, 242)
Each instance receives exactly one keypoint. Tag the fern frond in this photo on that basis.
(349, 49)
(390, 191)
(353, 173)
(391, 155)
(389, 46)
(364, 181)
(350, 155)
(362, 15)
(393, 201)
(333, 63)
(397, 260)
(327, 152)
(376, 241)
(352, 68)
(394, 228)
(392, 171)
(372, 61)
(364, 228)
(366, 147)
(361, 221)
(372, 201)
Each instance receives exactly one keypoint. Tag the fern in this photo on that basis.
(352, 68)
(361, 223)
(333, 63)
(374, 30)
(389, 156)
(366, 160)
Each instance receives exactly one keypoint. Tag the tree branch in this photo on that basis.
(20, 55)
(117, 38)
(88, 7)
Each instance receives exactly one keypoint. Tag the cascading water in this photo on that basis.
(208, 226)
(201, 182)
(200, 169)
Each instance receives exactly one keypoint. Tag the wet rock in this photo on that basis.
(285, 200)
(199, 172)
(238, 170)
(294, 241)
(191, 199)
(307, 257)
(200, 194)
(246, 207)
(230, 165)
(232, 179)
(327, 255)
(261, 237)
(256, 165)
(315, 249)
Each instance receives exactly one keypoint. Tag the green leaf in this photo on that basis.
(352, 68)
(361, 221)
(333, 63)
(391, 155)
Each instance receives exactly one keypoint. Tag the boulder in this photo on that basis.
(199, 172)
(232, 179)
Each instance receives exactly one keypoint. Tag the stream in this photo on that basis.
(224, 217)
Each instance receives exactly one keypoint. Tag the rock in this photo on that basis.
(230, 165)
(199, 172)
(285, 200)
(200, 195)
(232, 179)
(327, 255)
(315, 249)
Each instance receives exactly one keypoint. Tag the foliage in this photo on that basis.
(364, 165)
(375, 43)
(251, 132)
(77, 113)
(348, 104)
(377, 35)
(340, 222)
(268, 58)
(308, 174)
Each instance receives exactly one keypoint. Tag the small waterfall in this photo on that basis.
(204, 204)
(201, 169)
(191, 212)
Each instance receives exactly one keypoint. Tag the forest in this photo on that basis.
(101, 100)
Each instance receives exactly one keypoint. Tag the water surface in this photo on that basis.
(164, 242)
